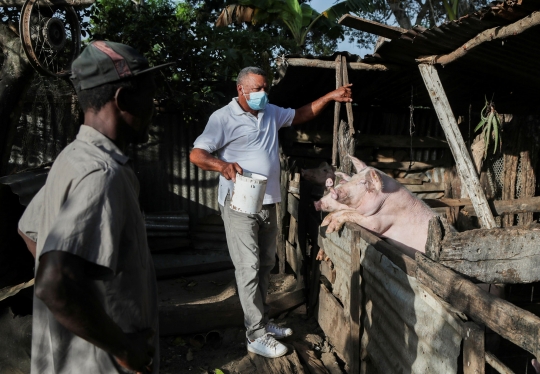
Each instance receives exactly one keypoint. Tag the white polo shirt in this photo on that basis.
(252, 142)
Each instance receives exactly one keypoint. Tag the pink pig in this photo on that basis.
(379, 203)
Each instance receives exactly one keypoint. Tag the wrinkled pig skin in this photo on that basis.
(379, 203)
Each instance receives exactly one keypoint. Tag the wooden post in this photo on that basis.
(354, 310)
(473, 349)
(337, 109)
(464, 164)
(345, 74)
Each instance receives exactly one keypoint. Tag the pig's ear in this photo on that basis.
(358, 165)
(374, 181)
(329, 182)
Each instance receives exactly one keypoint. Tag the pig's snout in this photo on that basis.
(318, 205)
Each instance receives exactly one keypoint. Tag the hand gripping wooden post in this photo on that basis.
(464, 164)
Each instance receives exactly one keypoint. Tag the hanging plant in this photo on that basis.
(490, 124)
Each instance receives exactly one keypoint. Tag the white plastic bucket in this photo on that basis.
(248, 193)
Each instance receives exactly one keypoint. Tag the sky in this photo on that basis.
(321, 5)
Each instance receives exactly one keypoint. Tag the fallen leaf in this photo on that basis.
(217, 371)
(189, 355)
(191, 284)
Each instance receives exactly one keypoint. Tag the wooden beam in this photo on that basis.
(313, 63)
(337, 108)
(464, 164)
(473, 349)
(292, 206)
(495, 33)
(500, 255)
(355, 304)
(368, 140)
(348, 106)
(512, 323)
(405, 165)
(372, 27)
(333, 322)
(425, 187)
(528, 204)
(497, 364)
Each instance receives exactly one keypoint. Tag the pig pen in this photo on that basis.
(385, 312)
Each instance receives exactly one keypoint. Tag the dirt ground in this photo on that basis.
(224, 351)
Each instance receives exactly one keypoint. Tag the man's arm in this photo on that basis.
(30, 244)
(63, 284)
(206, 161)
(312, 110)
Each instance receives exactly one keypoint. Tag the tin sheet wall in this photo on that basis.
(168, 180)
(404, 328)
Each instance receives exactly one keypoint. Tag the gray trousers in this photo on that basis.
(251, 239)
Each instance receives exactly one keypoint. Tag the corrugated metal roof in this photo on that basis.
(503, 69)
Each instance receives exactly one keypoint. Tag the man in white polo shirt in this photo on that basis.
(245, 136)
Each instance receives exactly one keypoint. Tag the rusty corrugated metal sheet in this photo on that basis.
(169, 182)
(404, 328)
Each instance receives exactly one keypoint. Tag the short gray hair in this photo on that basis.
(249, 70)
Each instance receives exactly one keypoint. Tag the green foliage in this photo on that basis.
(207, 59)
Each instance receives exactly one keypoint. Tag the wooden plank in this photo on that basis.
(328, 271)
(464, 164)
(497, 364)
(332, 321)
(426, 187)
(322, 64)
(405, 165)
(314, 365)
(500, 255)
(380, 141)
(473, 349)
(293, 230)
(292, 206)
(409, 181)
(372, 27)
(512, 323)
(355, 302)
(337, 109)
(404, 262)
(529, 204)
(292, 258)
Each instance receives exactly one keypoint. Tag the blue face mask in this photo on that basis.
(257, 100)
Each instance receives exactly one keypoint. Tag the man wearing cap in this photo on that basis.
(245, 136)
(95, 304)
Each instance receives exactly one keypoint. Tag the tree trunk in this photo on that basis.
(401, 16)
(15, 78)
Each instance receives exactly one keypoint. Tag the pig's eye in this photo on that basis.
(363, 181)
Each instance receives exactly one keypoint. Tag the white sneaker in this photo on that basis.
(266, 346)
(278, 331)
